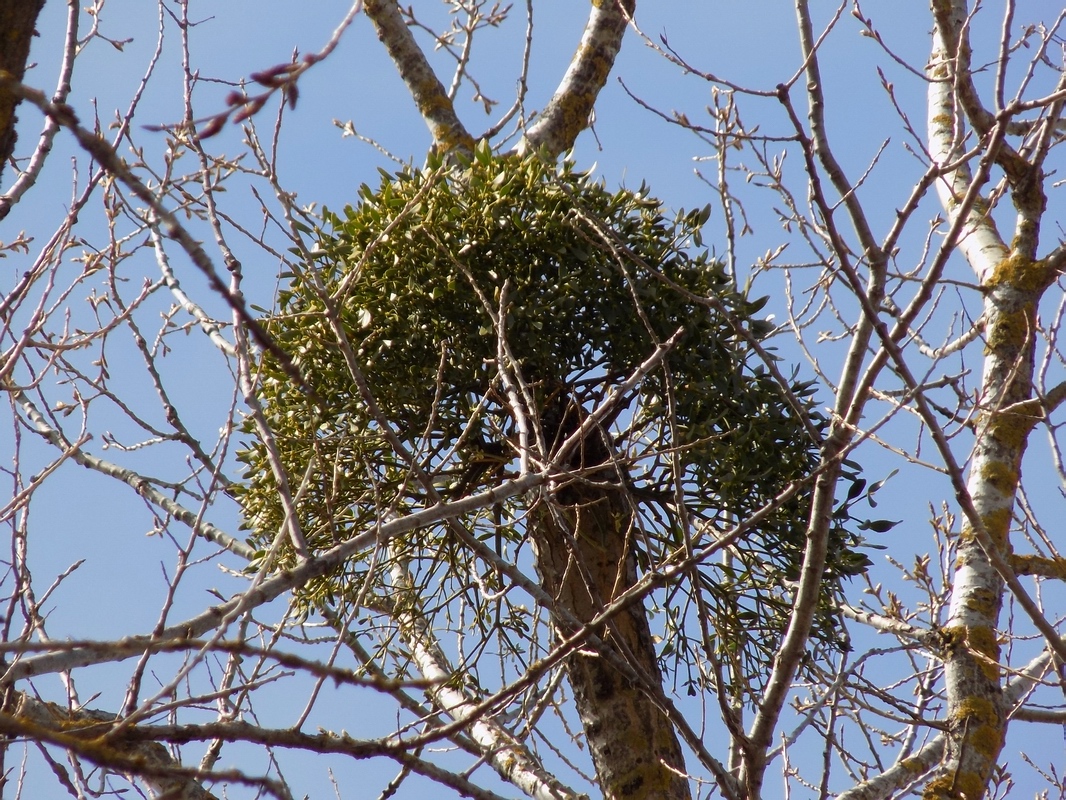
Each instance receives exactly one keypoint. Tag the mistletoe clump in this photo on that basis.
(428, 275)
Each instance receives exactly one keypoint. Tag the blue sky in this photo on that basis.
(754, 44)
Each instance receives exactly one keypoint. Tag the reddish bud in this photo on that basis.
(213, 126)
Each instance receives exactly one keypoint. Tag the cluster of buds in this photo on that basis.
(241, 106)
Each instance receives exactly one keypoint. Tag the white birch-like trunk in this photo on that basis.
(1012, 281)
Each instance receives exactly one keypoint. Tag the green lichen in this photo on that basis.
(981, 726)
(1011, 429)
(914, 765)
(951, 637)
(984, 602)
(955, 786)
(1038, 565)
(1010, 330)
(997, 525)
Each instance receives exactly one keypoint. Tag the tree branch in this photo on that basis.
(430, 96)
(569, 110)
(511, 759)
(82, 732)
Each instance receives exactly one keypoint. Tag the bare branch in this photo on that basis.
(568, 112)
(429, 94)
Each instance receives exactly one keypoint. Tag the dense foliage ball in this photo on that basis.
(588, 282)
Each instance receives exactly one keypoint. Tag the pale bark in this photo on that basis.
(1013, 281)
(912, 768)
(948, 741)
(570, 109)
(507, 755)
(429, 94)
(848, 404)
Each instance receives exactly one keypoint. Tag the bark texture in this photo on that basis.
(570, 109)
(428, 92)
(18, 20)
(510, 757)
(585, 553)
(88, 733)
(1012, 281)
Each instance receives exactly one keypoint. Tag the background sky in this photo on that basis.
(118, 589)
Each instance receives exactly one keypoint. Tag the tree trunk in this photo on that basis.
(1013, 281)
(585, 555)
(18, 20)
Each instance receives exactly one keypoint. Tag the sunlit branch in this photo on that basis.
(508, 756)
(276, 585)
(568, 112)
(1026, 564)
(894, 627)
(322, 742)
(208, 325)
(81, 732)
(436, 108)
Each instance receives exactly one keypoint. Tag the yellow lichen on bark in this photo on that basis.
(915, 765)
(1020, 272)
(1038, 565)
(1011, 428)
(428, 92)
(574, 107)
(951, 636)
(979, 724)
(983, 641)
(982, 601)
(447, 139)
(959, 786)
(979, 718)
(997, 524)
(1002, 477)
(1010, 329)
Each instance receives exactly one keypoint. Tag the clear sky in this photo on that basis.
(750, 43)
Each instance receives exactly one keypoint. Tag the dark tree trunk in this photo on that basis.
(18, 20)
(585, 555)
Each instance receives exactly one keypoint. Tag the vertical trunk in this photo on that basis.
(18, 19)
(584, 546)
(976, 712)
(1012, 281)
